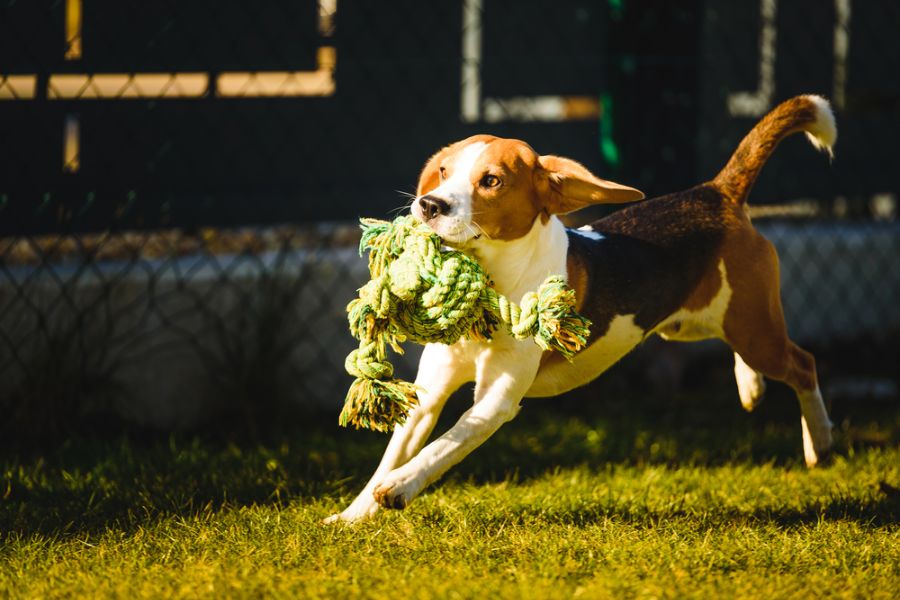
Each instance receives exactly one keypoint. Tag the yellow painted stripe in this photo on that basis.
(73, 29)
(127, 85)
(18, 87)
(249, 84)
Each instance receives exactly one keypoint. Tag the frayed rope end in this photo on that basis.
(377, 404)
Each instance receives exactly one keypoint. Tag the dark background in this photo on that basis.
(196, 266)
(664, 70)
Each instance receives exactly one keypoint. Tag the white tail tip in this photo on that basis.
(823, 132)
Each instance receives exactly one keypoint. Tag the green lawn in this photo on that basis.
(681, 498)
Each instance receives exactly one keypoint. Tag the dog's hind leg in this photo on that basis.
(756, 331)
(781, 359)
(440, 374)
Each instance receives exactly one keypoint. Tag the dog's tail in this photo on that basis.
(811, 114)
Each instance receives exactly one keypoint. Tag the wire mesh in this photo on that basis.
(179, 180)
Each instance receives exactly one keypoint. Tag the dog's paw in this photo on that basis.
(817, 444)
(817, 457)
(333, 519)
(397, 491)
(355, 513)
(390, 496)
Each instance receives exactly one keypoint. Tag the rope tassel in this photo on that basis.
(421, 293)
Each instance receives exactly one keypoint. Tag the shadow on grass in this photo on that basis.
(87, 486)
(606, 422)
(875, 512)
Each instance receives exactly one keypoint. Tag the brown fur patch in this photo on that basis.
(507, 211)
(577, 277)
(705, 291)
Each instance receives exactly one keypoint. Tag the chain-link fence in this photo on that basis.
(179, 180)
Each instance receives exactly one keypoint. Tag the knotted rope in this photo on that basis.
(421, 293)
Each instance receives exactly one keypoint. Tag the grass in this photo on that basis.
(620, 498)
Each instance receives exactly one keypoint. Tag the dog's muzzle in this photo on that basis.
(432, 207)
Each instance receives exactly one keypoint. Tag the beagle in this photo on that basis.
(686, 266)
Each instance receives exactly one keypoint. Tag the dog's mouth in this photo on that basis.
(457, 240)
(454, 234)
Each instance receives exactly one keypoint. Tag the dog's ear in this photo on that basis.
(566, 186)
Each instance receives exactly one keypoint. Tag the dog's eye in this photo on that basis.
(443, 173)
(489, 181)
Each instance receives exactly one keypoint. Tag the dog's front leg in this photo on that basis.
(442, 369)
(505, 371)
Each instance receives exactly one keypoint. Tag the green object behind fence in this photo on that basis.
(423, 293)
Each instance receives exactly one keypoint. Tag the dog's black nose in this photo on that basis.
(433, 207)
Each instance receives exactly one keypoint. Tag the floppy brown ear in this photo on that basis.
(567, 186)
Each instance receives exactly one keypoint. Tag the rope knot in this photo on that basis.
(363, 362)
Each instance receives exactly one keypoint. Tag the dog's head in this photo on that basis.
(496, 188)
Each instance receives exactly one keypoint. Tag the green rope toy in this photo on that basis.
(422, 293)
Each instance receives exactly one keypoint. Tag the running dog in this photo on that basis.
(686, 266)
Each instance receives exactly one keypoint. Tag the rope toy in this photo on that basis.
(422, 293)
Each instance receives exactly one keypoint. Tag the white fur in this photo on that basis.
(620, 338)
(751, 383)
(816, 427)
(708, 322)
(823, 133)
(520, 266)
(456, 226)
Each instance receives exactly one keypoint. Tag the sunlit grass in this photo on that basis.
(612, 501)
